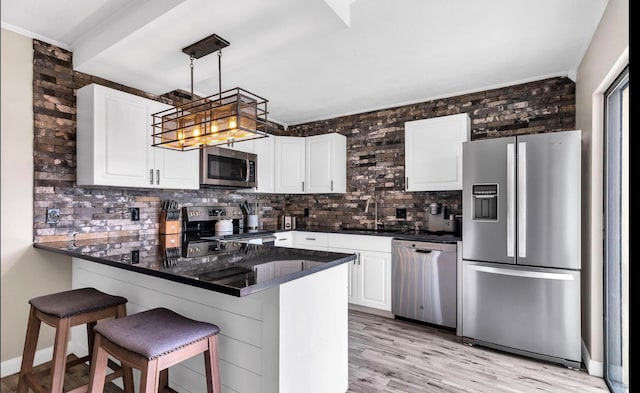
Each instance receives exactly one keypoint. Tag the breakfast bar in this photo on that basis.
(282, 312)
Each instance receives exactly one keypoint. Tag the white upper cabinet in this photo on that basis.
(114, 144)
(264, 149)
(315, 164)
(289, 165)
(326, 163)
(433, 152)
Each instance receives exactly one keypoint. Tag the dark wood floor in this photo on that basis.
(391, 356)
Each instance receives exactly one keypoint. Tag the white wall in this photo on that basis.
(606, 56)
(26, 272)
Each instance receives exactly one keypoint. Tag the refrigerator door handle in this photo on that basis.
(522, 199)
(521, 273)
(511, 199)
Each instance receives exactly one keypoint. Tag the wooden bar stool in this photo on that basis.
(64, 310)
(152, 341)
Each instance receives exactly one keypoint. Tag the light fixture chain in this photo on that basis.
(220, 72)
(191, 57)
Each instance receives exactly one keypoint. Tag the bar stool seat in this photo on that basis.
(64, 310)
(152, 341)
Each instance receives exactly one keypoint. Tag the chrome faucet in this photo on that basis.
(366, 210)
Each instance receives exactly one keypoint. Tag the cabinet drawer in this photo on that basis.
(310, 240)
(360, 242)
(284, 239)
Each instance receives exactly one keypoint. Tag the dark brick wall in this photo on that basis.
(375, 147)
(94, 212)
(375, 156)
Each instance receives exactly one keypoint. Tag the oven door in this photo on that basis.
(228, 168)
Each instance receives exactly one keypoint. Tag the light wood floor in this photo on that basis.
(392, 356)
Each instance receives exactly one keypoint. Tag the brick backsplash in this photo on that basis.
(375, 156)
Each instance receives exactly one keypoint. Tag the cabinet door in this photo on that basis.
(114, 143)
(325, 163)
(289, 164)
(264, 148)
(172, 169)
(352, 289)
(112, 138)
(375, 280)
(433, 153)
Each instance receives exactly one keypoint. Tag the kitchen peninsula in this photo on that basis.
(282, 312)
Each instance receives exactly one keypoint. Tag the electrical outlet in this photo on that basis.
(135, 213)
(306, 212)
(53, 216)
(401, 213)
(135, 257)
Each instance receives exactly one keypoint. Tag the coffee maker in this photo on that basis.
(438, 219)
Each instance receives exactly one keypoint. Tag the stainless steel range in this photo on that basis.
(203, 234)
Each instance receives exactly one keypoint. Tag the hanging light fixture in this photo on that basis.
(221, 119)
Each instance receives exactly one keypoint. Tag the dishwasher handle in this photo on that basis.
(422, 251)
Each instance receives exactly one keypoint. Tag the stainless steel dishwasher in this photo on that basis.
(424, 282)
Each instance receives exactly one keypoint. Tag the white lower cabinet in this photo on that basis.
(370, 273)
(283, 239)
(310, 240)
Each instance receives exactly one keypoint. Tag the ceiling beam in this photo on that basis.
(118, 27)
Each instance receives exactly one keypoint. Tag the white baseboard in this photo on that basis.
(594, 368)
(12, 366)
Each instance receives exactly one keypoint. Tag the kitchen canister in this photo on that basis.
(252, 221)
(224, 227)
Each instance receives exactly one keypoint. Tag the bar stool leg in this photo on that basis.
(127, 371)
(98, 371)
(149, 376)
(59, 365)
(29, 353)
(163, 382)
(212, 366)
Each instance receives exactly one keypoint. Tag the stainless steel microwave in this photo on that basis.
(227, 168)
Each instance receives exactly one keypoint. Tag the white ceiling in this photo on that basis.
(318, 59)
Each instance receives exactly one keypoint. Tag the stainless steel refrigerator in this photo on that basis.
(521, 245)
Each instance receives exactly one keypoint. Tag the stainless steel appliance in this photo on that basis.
(227, 168)
(201, 237)
(288, 222)
(521, 245)
(438, 219)
(424, 282)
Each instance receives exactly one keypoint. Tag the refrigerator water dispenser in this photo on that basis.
(485, 202)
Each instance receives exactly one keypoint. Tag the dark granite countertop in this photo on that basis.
(237, 269)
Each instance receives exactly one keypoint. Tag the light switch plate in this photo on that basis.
(53, 216)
